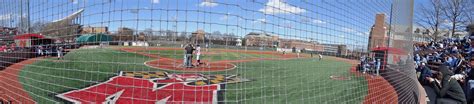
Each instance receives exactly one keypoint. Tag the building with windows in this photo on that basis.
(198, 37)
(300, 44)
(261, 40)
(337, 49)
(94, 30)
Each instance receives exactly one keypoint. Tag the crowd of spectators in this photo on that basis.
(8, 47)
(54, 50)
(446, 67)
(370, 65)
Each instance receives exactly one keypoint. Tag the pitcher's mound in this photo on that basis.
(177, 65)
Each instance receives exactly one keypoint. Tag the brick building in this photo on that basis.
(198, 37)
(337, 49)
(94, 30)
(300, 44)
(379, 33)
(261, 39)
(124, 34)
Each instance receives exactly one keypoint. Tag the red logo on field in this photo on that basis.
(154, 88)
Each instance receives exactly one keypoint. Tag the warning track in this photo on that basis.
(10, 87)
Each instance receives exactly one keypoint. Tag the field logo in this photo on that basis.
(155, 87)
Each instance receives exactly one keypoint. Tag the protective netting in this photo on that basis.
(206, 51)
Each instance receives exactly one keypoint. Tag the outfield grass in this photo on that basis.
(291, 81)
(299, 81)
(216, 56)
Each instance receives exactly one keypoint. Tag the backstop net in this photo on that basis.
(206, 51)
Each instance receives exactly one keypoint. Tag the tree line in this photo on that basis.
(440, 18)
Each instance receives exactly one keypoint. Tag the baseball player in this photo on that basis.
(198, 54)
(59, 51)
(320, 56)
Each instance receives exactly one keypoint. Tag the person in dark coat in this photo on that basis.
(188, 56)
(447, 89)
(425, 71)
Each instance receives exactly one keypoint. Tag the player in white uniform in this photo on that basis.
(320, 56)
(198, 54)
(59, 51)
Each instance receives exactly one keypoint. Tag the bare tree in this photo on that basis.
(37, 26)
(470, 16)
(455, 12)
(431, 18)
(470, 13)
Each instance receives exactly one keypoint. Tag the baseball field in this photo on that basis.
(127, 75)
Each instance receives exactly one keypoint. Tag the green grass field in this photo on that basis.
(291, 81)
(217, 56)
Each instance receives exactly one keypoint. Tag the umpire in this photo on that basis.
(189, 56)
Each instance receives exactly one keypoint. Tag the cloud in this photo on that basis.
(279, 7)
(240, 19)
(225, 17)
(367, 33)
(305, 20)
(5, 16)
(341, 36)
(174, 18)
(287, 24)
(155, 1)
(447, 22)
(208, 3)
(260, 21)
(11, 16)
(345, 29)
(319, 21)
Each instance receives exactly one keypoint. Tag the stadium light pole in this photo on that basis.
(28, 16)
(21, 13)
(390, 25)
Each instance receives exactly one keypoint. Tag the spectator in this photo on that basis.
(447, 88)
(3, 48)
(448, 55)
(424, 73)
(12, 46)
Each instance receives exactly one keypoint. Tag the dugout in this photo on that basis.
(382, 53)
(93, 38)
(30, 40)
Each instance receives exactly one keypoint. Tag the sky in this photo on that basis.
(326, 21)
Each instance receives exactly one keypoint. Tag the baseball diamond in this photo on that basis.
(139, 74)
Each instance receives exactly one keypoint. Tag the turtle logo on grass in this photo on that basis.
(154, 87)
